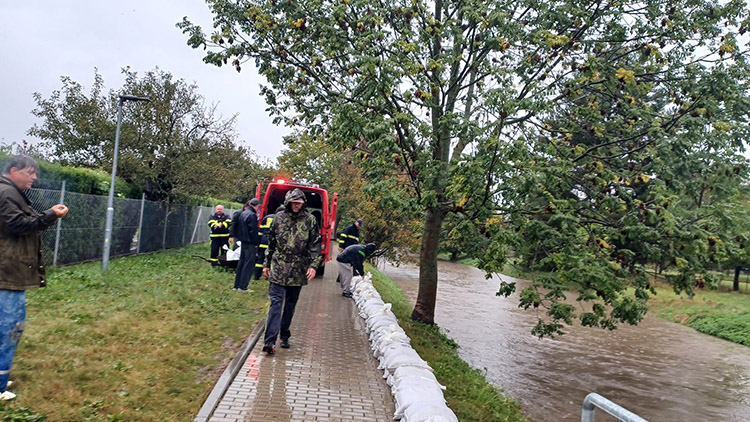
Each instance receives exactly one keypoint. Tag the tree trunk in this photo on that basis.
(736, 284)
(424, 309)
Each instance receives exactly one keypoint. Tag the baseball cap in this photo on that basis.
(254, 202)
(359, 220)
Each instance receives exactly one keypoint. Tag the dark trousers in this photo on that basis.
(216, 244)
(259, 260)
(245, 266)
(283, 301)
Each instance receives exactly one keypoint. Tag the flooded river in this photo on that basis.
(660, 370)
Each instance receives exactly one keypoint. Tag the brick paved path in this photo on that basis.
(329, 373)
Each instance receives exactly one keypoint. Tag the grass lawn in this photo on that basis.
(719, 313)
(469, 395)
(726, 281)
(144, 342)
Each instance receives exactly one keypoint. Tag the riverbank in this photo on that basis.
(144, 342)
(470, 396)
(721, 313)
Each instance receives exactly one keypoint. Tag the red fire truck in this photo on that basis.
(317, 203)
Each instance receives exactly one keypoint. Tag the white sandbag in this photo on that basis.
(366, 280)
(386, 340)
(408, 397)
(365, 290)
(376, 336)
(406, 383)
(361, 297)
(355, 281)
(406, 372)
(428, 412)
(232, 255)
(375, 322)
(374, 307)
(370, 306)
(398, 355)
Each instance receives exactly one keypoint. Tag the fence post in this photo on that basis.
(59, 224)
(184, 225)
(140, 223)
(197, 221)
(164, 235)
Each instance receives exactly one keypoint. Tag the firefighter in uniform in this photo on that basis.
(350, 235)
(219, 225)
(265, 227)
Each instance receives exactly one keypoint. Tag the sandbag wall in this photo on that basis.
(417, 393)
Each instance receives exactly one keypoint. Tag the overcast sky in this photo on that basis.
(42, 40)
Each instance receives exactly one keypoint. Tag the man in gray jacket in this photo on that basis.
(21, 263)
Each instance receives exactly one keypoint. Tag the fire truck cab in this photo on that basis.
(317, 203)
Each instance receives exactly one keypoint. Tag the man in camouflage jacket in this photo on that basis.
(291, 260)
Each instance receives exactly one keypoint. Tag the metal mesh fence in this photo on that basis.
(138, 226)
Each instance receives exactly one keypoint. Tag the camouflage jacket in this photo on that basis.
(293, 244)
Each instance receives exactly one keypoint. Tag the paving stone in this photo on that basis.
(328, 374)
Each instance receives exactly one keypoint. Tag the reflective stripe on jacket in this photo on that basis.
(219, 225)
(350, 236)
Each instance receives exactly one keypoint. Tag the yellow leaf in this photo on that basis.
(603, 244)
(628, 76)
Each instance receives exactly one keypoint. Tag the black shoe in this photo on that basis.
(349, 295)
(269, 348)
(285, 344)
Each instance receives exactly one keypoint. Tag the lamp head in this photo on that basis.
(134, 98)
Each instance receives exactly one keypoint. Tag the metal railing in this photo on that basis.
(593, 400)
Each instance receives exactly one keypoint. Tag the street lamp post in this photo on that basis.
(110, 199)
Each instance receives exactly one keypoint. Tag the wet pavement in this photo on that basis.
(328, 374)
(660, 370)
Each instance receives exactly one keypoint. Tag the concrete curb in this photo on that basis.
(222, 385)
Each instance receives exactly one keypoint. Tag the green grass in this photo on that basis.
(466, 261)
(726, 281)
(721, 314)
(144, 342)
(469, 394)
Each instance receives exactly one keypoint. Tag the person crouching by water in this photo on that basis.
(351, 262)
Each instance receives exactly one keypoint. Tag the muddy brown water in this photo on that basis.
(660, 370)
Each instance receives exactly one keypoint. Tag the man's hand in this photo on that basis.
(341, 249)
(60, 210)
(310, 273)
(266, 272)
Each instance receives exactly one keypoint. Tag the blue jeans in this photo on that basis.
(12, 321)
(278, 322)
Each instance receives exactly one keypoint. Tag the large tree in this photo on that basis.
(452, 101)
(172, 146)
